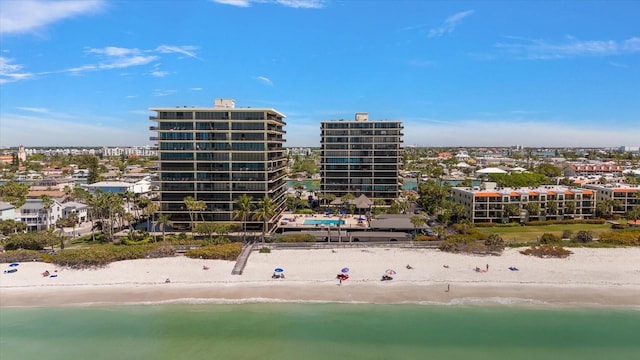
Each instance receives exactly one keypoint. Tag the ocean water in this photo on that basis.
(317, 331)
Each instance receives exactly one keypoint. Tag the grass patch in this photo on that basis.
(524, 234)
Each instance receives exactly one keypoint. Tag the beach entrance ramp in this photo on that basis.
(241, 262)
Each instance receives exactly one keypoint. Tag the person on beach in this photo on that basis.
(448, 288)
(487, 267)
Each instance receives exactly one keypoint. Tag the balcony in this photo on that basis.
(153, 118)
(153, 138)
(153, 128)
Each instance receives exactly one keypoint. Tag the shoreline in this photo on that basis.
(588, 278)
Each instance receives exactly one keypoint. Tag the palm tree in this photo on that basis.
(552, 205)
(149, 212)
(511, 210)
(163, 221)
(244, 206)
(532, 208)
(570, 207)
(417, 221)
(47, 203)
(264, 212)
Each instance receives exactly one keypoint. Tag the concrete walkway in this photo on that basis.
(238, 268)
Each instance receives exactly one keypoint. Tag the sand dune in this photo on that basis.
(589, 277)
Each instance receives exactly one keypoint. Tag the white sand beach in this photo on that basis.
(589, 277)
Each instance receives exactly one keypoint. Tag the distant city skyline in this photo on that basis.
(537, 74)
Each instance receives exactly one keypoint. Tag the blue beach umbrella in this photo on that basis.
(279, 270)
(13, 264)
(345, 270)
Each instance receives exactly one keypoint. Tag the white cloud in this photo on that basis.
(159, 92)
(196, 89)
(186, 50)
(536, 49)
(11, 72)
(265, 80)
(306, 4)
(114, 51)
(34, 109)
(239, 3)
(31, 15)
(158, 73)
(300, 4)
(450, 24)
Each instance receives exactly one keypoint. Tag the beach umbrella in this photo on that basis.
(13, 264)
(345, 270)
(279, 270)
(390, 272)
(361, 218)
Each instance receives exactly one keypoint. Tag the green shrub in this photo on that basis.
(218, 252)
(583, 236)
(567, 234)
(548, 238)
(20, 256)
(494, 243)
(294, 237)
(101, 255)
(570, 221)
(304, 211)
(425, 238)
(624, 238)
(511, 224)
(547, 251)
(264, 250)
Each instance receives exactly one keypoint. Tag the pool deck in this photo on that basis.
(289, 221)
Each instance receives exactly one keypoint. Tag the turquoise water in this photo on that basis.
(412, 184)
(323, 222)
(317, 331)
(308, 184)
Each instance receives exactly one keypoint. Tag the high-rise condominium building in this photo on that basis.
(361, 157)
(217, 154)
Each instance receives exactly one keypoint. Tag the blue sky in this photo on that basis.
(481, 73)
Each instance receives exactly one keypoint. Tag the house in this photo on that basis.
(36, 217)
(7, 211)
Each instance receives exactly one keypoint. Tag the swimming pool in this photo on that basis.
(323, 222)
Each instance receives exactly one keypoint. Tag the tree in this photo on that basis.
(605, 207)
(417, 221)
(11, 227)
(552, 207)
(511, 210)
(432, 195)
(94, 168)
(206, 228)
(163, 221)
(533, 208)
(194, 206)
(47, 203)
(149, 211)
(244, 206)
(264, 211)
(633, 214)
(14, 193)
(549, 170)
(570, 207)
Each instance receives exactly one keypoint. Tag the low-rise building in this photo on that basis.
(490, 203)
(626, 197)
